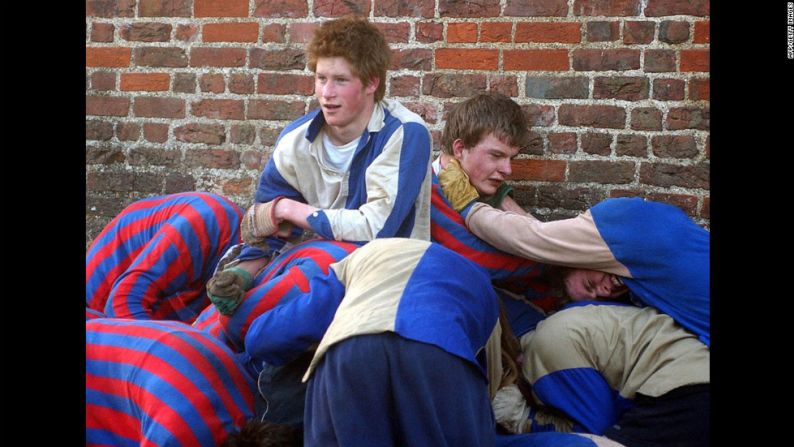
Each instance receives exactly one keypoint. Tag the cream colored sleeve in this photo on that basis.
(571, 242)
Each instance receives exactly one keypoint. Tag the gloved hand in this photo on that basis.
(510, 409)
(227, 287)
(496, 199)
(456, 185)
(259, 222)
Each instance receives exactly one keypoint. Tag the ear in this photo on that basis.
(457, 148)
(372, 86)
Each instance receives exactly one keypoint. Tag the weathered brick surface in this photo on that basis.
(187, 94)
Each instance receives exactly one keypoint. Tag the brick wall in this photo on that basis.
(191, 94)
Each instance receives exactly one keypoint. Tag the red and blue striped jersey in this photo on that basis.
(519, 275)
(153, 260)
(161, 383)
(285, 278)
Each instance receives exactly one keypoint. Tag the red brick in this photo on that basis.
(301, 32)
(674, 146)
(252, 160)
(429, 32)
(461, 32)
(694, 60)
(339, 8)
(504, 84)
(98, 130)
(443, 85)
(603, 31)
(201, 133)
(702, 34)
(274, 32)
(146, 32)
(212, 158)
(668, 89)
(110, 8)
(536, 60)
(699, 89)
(619, 8)
(659, 8)
(230, 32)
(268, 135)
(428, 111)
(601, 171)
(264, 109)
(102, 32)
(156, 107)
(404, 86)
(606, 59)
(126, 131)
(597, 143)
(401, 8)
(638, 32)
(284, 59)
(705, 210)
(160, 57)
(164, 8)
(242, 134)
(394, 32)
(461, 58)
(212, 82)
(534, 145)
(564, 196)
(496, 32)
(151, 82)
(659, 61)
(538, 170)
(103, 80)
(285, 84)
(107, 105)
(627, 88)
(466, 8)
(631, 145)
(688, 118)
(110, 181)
(108, 57)
(185, 83)
(673, 31)
(646, 118)
(186, 33)
(103, 155)
(412, 59)
(666, 175)
(281, 8)
(241, 83)
(217, 57)
(155, 132)
(592, 116)
(238, 187)
(539, 115)
(175, 183)
(536, 8)
(222, 109)
(220, 8)
(562, 143)
(563, 32)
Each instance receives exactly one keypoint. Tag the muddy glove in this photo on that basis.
(227, 288)
(259, 222)
(496, 199)
(510, 409)
(456, 185)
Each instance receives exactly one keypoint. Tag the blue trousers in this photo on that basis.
(383, 390)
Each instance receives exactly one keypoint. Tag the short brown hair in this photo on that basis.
(359, 42)
(485, 113)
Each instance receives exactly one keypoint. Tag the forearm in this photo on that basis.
(571, 242)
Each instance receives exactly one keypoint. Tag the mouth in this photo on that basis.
(616, 282)
(331, 107)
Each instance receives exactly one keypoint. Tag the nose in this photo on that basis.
(327, 90)
(505, 168)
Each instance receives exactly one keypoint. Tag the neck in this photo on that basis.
(341, 135)
(444, 158)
